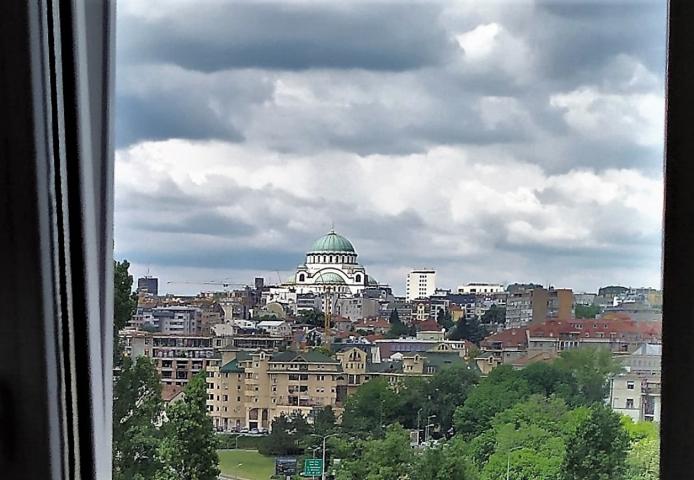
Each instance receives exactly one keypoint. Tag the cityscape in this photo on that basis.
(314, 342)
(395, 240)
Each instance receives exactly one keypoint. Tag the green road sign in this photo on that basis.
(313, 467)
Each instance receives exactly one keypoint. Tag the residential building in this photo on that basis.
(357, 307)
(181, 320)
(148, 284)
(275, 328)
(506, 346)
(526, 306)
(481, 288)
(177, 357)
(619, 334)
(636, 396)
(250, 389)
(421, 283)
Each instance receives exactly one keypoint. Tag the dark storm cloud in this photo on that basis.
(577, 39)
(210, 37)
(205, 223)
(158, 102)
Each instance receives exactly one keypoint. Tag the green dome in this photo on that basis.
(332, 242)
(372, 281)
(329, 278)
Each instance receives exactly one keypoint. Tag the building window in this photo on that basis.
(630, 403)
(302, 277)
(358, 278)
(630, 385)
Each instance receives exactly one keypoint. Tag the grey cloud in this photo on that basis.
(158, 102)
(211, 37)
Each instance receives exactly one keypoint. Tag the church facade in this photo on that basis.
(330, 266)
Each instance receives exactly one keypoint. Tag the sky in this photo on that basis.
(495, 141)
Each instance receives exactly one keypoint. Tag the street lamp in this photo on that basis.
(418, 429)
(426, 429)
(238, 467)
(322, 476)
(508, 462)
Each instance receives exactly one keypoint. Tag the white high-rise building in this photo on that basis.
(421, 283)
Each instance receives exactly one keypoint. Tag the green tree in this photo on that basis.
(448, 388)
(389, 458)
(312, 317)
(288, 435)
(443, 318)
(399, 329)
(324, 421)
(188, 450)
(590, 368)
(587, 311)
(503, 388)
(124, 305)
(394, 316)
(643, 460)
(448, 461)
(137, 407)
(494, 315)
(468, 329)
(598, 447)
(372, 406)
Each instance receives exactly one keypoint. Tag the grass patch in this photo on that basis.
(254, 466)
(245, 442)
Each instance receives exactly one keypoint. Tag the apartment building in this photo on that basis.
(636, 396)
(420, 283)
(176, 357)
(481, 288)
(618, 334)
(250, 389)
(182, 320)
(535, 305)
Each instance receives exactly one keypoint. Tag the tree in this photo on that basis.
(137, 407)
(590, 368)
(495, 315)
(503, 388)
(370, 408)
(643, 457)
(287, 435)
(124, 304)
(448, 388)
(598, 447)
(443, 318)
(394, 316)
(312, 317)
(324, 421)
(448, 461)
(188, 450)
(389, 458)
(587, 311)
(643, 460)
(468, 329)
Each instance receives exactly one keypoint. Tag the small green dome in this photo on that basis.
(372, 281)
(329, 278)
(332, 242)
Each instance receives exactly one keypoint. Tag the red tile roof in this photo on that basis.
(511, 337)
(619, 326)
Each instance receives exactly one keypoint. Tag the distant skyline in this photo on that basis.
(515, 141)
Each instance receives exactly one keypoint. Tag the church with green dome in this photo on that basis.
(331, 265)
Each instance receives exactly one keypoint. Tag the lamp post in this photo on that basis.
(322, 476)
(238, 467)
(508, 462)
(426, 429)
(418, 429)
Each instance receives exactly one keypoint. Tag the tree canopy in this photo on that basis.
(188, 450)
